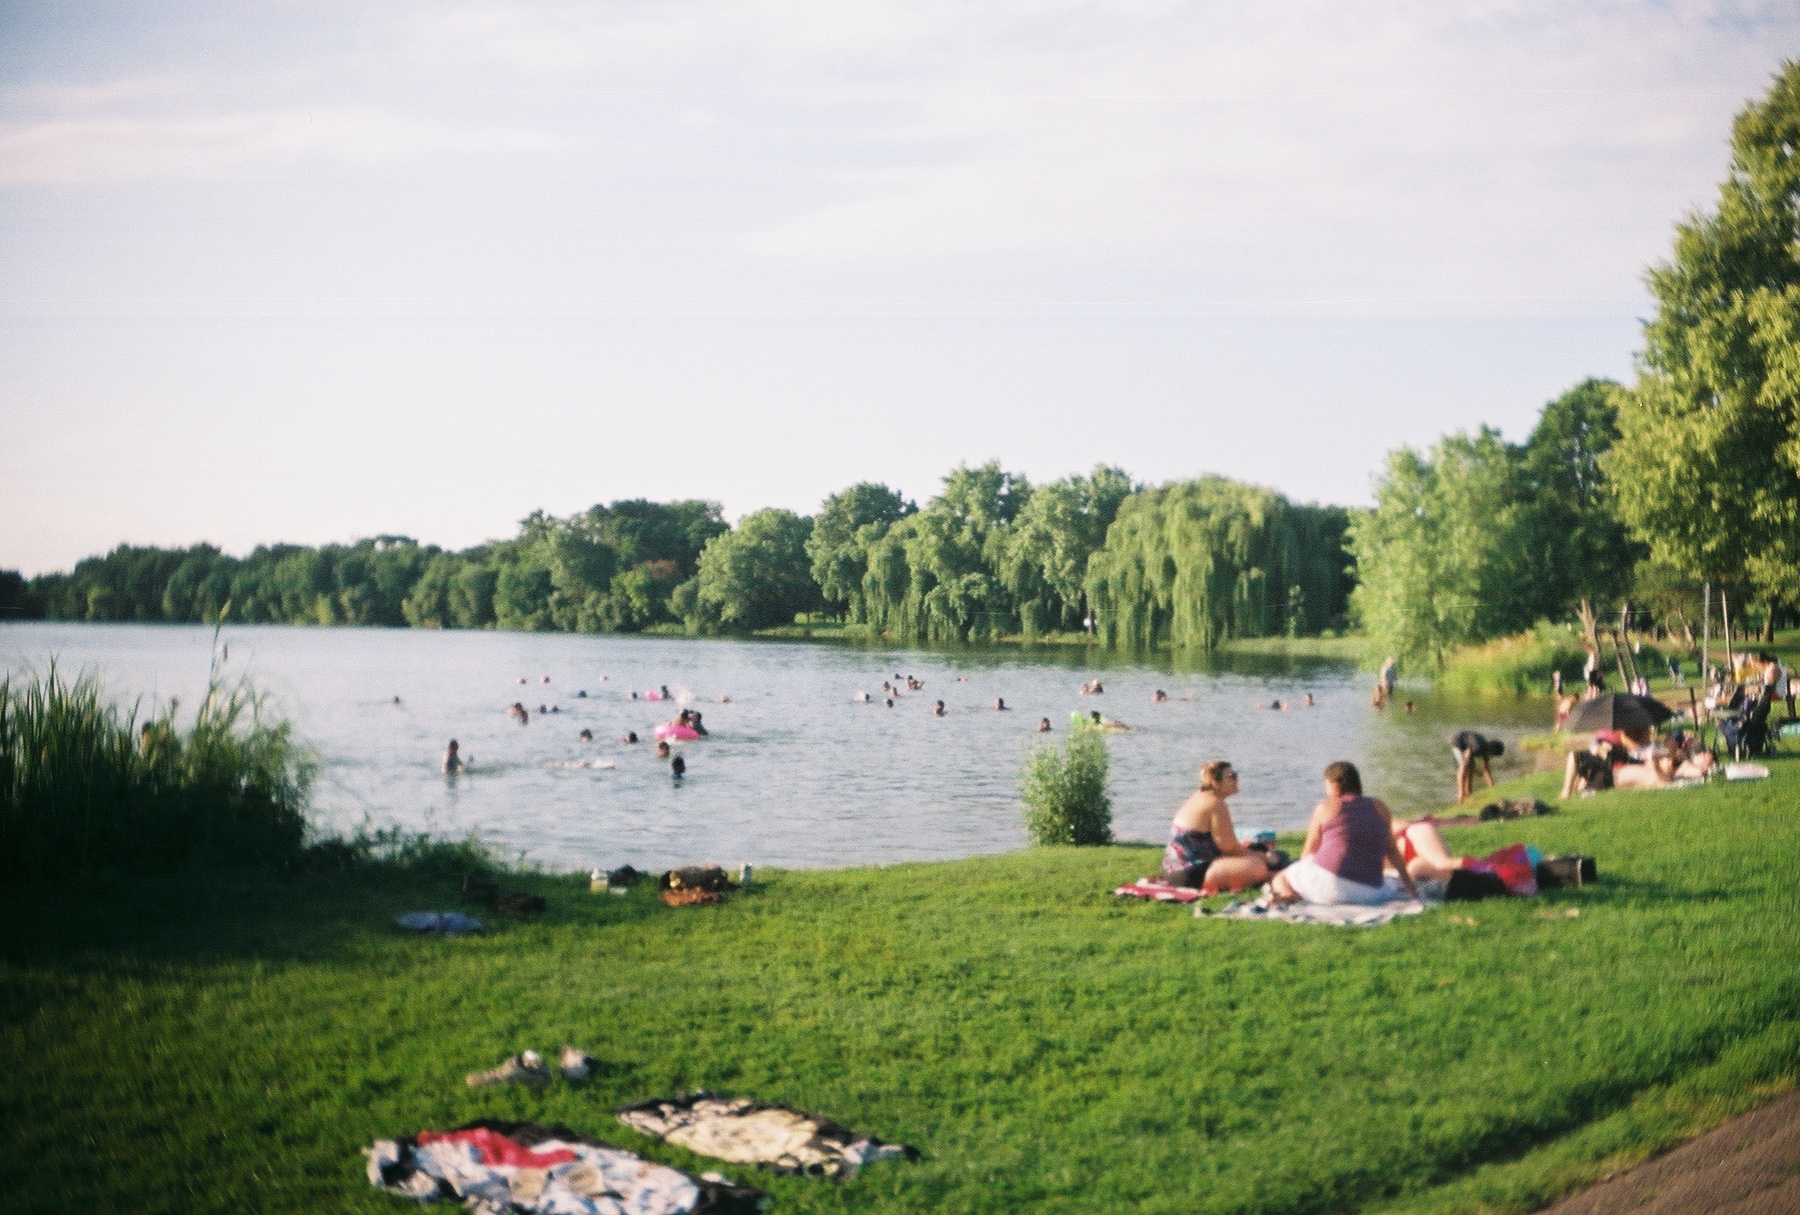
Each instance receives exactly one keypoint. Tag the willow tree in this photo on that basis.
(1707, 463)
(1198, 562)
(848, 525)
(931, 577)
(1042, 558)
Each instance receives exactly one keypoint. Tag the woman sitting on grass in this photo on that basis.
(1348, 843)
(1203, 847)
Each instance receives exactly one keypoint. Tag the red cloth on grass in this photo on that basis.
(495, 1148)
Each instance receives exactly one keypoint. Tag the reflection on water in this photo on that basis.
(796, 772)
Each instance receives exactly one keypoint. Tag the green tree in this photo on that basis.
(847, 525)
(1194, 563)
(758, 575)
(1580, 547)
(931, 577)
(1042, 560)
(1444, 558)
(1706, 468)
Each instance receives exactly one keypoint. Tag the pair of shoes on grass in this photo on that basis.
(527, 1067)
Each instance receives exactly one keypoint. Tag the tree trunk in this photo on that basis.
(1768, 633)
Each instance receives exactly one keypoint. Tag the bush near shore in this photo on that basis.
(230, 1043)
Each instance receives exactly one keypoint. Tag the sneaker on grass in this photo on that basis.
(526, 1067)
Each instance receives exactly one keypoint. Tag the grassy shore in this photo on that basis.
(230, 1042)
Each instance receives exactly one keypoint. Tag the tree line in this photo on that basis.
(989, 556)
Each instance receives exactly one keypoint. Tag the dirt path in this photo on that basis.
(1749, 1166)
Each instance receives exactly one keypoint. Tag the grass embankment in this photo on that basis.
(1521, 665)
(229, 1043)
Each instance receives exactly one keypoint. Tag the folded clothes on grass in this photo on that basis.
(444, 923)
(495, 1167)
(750, 1132)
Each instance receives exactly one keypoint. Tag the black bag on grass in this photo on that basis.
(1556, 871)
(1471, 886)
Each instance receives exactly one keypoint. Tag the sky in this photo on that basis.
(313, 271)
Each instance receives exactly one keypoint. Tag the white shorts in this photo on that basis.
(1316, 884)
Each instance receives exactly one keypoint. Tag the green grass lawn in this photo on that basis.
(230, 1044)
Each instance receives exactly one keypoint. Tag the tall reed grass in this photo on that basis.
(86, 786)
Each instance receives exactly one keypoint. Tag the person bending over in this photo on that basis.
(1203, 847)
(1471, 749)
(1347, 844)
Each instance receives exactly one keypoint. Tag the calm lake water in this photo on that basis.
(796, 771)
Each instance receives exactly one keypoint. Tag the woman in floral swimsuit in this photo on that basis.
(1203, 848)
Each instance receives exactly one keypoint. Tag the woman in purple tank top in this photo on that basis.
(1348, 844)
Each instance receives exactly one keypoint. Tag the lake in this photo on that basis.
(796, 772)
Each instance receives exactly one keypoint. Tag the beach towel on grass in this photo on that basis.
(750, 1132)
(1346, 915)
(1161, 892)
(495, 1167)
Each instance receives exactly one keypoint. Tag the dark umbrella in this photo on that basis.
(1612, 711)
(1658, 711)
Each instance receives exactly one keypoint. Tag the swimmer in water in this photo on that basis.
(695, 726)
(396, 700)
(662, 748)
(634, 695)
(1159, 696)
(937, 710)
(862, 697)
(665, 692)
(1000, 704)
(1310, 703)
(685, 718)
(890, 702)
(545, 679)
(453, 760)
(581, 694)
(630, 737)
(586, 736)
(724, 699)
(1277, 706)
(678, 767)
(1043, 725)
(520, 712)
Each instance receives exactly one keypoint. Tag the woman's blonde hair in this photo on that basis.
(1213, 773)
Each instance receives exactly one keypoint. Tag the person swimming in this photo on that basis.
(695, 726)
(1310, 703)
(937, 710)
(1159, 696)
(1043, 725)
(890, 702)
(581, 694)
(1000, 704)
(586, 736)
(863, 698)
(630, 737)
(453, 760)
(678, 767)
(662, 748)
(521, 713)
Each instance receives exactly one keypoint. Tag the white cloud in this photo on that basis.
(103, 149)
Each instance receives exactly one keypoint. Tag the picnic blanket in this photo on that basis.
(750, 1132)
(494, 1167)
(1345, 915)
(1161, 892)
